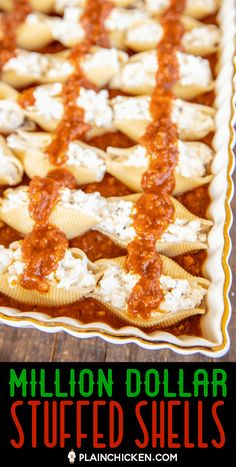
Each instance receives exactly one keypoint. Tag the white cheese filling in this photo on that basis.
(14, 198)
(115, 214)
(184, 231)
(97, 110)
(68, 29)
(115, 286)
(189, 118)
(117, 220)
(48, 102)
(206, 36)
(180, 294)
(120, 19)
(193, 159)
(39, 66)
(87, 158)
(148, 32)
(61, 5)
(28, 141)
(11, 116)
(131, 108)
(104, 63)
(133, 157)
(71, 271)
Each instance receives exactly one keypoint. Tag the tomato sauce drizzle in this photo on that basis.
(154, 209)
(10, 23)
(45, 245)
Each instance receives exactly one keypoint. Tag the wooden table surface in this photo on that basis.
(27, 345)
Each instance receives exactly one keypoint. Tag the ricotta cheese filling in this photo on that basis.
(115, 286)
(206, 36)
(25, 141)
(11, 116)
(133, 157)
(68, 29)
(86, 157)
(131, 108)
(194, 159)
(71, 271)
(180, 294)
(184, 231)
(97, 109)
(120, 19)
(115, 214)
(48, 102)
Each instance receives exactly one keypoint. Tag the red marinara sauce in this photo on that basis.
(45, 245)
(154, 209)
(10, 23)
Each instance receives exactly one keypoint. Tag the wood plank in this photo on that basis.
(25, 345)
(72, 349)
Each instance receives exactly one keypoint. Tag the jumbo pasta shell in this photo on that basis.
(162, 319)
(132, 177)
(183, 184)
(37, 162)
(52, 67)
(148, 33)
(11, 171)
(49, 125)
(54, 297)
(8, 92)
(44, 6)
(179, 248)
(197, 69)
(134, 129)
(167, 248)
(39, 33)
(194, 121)
(70, 221)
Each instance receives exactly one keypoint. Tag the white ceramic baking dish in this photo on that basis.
(215, 340)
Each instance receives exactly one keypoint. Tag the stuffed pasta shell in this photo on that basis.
(109, 282)
(195, 8)
(75, 212)
(26, 68)
(132, 116)
(11, 172)
(86, 163)
(138, 75)
(192, 169)
(198, 39)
